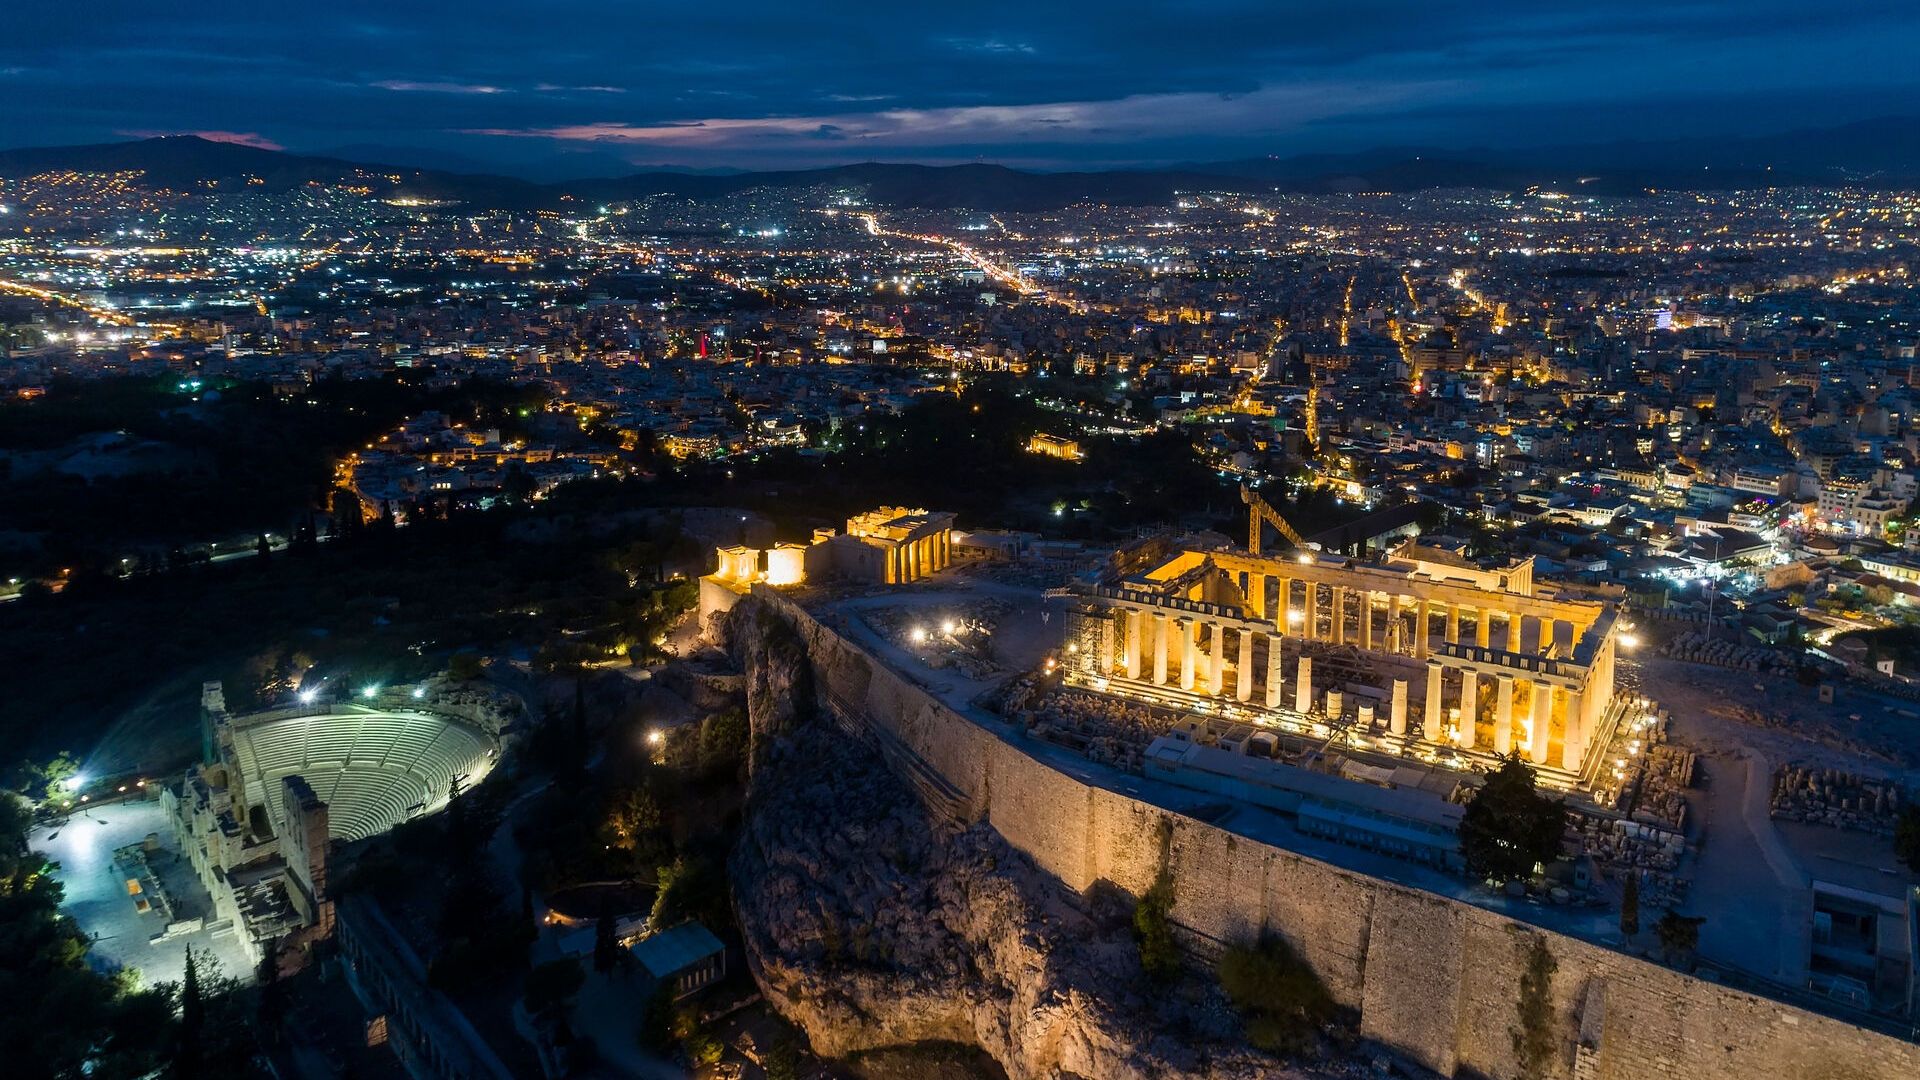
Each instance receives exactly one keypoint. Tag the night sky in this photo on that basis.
(557, 88)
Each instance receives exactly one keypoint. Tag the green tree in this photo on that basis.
(1510, 827)
(606, 944)
(691, 888)
(1906, 838)
(723, 743)
(634, 826)
(193, 1018)
(550, 987)
(656, 1020)
(782, 1062)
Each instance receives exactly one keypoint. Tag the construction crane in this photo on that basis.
(1257, 512)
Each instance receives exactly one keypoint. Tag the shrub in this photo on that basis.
(1153, 930)
(1281, 1000)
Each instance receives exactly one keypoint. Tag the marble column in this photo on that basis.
(1188, 654)
(1542, 722)
(1422, 626)
(1109, 632)
(1217, 668)
(1396, 627)
(1503, 716)
(1160, 631)
(1243, 681)
(1469, 706)
(1430, 718)
(1133, 617)
(1574, 734)
(1303, 686)
(1483, 627)
(1397, 716)
(1282, 603)
(1453, 624)
(1274, 660)
(1516, 626)
(1338, 630)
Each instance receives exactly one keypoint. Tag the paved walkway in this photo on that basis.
(96, 894)
(1745, 881)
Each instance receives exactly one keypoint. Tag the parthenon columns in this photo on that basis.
(1483, 626)
(1574, 746)
(1396, 631)
(1160, 631)
(1243, 682)
(1338, 631)
(1422, 625)
(1542, 722)
(1217, 668)
(1453, 624)
(1274, 660)
(1189, 630)
(1397, 717)
(1430, 719)
(1515, 624)
(1303, 686)
(1503, 716)
(1469, 706)
(1131, 660)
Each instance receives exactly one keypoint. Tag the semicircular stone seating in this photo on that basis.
(373, 770)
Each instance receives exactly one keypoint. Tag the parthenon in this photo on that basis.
(1420, 651)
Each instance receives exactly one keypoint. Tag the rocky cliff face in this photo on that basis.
(870, 923)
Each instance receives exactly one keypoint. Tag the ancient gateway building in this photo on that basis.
(1421, 652)
(892, 545)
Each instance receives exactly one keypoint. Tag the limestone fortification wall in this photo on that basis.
(1436, 979)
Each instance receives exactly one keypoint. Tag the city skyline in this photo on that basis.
(596, 89)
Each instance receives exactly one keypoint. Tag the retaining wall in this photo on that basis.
(1436, 979)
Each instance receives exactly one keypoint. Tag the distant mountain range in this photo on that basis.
(1878, 153)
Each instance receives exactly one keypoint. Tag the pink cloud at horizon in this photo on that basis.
(1269, 109)
(237, 138)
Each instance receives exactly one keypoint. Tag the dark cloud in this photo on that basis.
(757, 82)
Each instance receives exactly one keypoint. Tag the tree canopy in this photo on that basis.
(1510, 827)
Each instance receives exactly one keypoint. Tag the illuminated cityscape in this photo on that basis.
(1027, 556)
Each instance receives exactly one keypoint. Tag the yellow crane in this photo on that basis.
(1258, 511)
